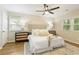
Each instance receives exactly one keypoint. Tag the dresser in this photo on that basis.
(21, 36)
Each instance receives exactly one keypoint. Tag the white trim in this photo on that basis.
(71, 19)
(1, 47)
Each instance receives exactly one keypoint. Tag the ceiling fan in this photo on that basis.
(46, 9)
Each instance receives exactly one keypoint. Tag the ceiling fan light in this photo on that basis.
(46, 13)
(46, 8)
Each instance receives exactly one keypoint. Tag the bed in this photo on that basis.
(41, 41)
(38, 44)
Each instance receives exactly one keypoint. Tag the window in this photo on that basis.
(72, 24)
(66, 25)
(76, 24)
(14, 23)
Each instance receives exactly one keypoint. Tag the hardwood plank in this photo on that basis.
(13, 49)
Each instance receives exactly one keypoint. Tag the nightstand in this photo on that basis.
(52, 32)
(21, 36)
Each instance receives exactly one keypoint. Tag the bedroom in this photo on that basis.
(24, 18)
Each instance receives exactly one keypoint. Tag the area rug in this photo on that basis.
(68, 49)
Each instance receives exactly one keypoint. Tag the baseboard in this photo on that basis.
(1, 47)
(72, 43)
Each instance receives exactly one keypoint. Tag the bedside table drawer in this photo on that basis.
(21, 36)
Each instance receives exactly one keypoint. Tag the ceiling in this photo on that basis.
(31, 8)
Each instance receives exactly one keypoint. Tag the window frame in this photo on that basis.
(71, 24)
(66, 24)
(75, 24)
(17, 24)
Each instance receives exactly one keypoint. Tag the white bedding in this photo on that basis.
(41, 43)
(57, 42)
(37, 42)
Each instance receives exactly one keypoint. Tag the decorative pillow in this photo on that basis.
(40, 32)
(43, 33)
(35, 32)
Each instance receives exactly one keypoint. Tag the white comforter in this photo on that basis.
(57, 42)
(37, 42)
(42, 42)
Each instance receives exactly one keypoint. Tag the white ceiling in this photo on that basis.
(31, 8)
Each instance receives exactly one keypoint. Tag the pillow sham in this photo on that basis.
(43, 33)
(40, 32)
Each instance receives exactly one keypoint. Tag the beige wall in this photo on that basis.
(36, 22)
(68, 35)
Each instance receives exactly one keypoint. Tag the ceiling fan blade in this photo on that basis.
(40, 10)
(51, 12)
(43, 13)
(54, 8)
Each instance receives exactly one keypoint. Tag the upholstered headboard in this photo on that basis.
(37, 26)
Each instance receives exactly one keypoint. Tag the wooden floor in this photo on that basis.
(13, 49)
(16, 48)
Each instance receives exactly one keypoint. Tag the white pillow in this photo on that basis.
(35, 32)
(40, 32)
(43, 33)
